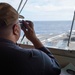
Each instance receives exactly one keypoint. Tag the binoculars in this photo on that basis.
(22, 23)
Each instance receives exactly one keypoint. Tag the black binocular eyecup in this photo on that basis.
(21, 23)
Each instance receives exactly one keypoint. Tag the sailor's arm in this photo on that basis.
(30, 34)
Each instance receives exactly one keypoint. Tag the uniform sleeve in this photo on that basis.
(51, 66)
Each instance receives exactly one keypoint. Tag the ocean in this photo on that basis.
(52, 27)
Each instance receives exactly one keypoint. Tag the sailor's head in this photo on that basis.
(8, 14)
(9, 20)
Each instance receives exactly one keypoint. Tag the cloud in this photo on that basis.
(45, 5)
(46, 8)
(50, 5)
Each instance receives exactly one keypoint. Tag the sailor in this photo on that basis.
(15, 60)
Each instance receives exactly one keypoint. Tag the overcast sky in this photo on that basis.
(46, 10)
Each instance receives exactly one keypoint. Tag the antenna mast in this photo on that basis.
(71, 30)
(22, 6)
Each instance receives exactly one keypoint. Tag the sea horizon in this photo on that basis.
(52, 27)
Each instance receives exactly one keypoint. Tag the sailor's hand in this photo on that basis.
(30, 34)
(29, 30)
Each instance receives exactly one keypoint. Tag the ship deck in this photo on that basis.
(52, 41)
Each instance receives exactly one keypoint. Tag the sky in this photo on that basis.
(45, 10)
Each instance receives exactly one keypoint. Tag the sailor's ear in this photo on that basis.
(15, 29)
